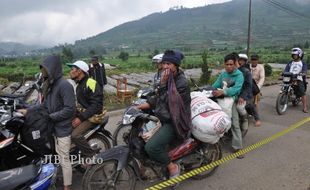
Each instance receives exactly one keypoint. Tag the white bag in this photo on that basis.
(200, 104)
(226, 104)
(210, 126)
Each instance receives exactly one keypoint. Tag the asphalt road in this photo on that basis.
(282, 164)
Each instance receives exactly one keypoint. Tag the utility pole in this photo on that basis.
(249, 29)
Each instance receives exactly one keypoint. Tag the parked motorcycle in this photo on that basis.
(18, 153)
(288, 92)
(119, 167)
(36, 176)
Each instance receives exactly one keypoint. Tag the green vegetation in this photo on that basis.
(14, 69)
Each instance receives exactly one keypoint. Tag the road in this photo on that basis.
(282, 164)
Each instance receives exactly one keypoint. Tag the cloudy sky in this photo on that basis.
(53, 22)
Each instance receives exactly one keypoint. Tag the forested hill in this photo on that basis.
(211, 26)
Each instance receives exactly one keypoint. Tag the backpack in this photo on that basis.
(37, 131)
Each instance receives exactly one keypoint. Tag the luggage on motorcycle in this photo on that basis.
(226, 104)
(200, 103)
(36, 132)
(210, 126)
(149, 129)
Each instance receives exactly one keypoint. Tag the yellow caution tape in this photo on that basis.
(201, 169)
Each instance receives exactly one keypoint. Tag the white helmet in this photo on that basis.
(157, 58)
(297, 51)
(243, 56)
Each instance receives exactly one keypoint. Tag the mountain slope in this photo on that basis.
(210, 26)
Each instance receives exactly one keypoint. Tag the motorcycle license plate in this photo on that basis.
(286, 79)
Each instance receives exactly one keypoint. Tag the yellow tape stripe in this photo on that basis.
(201, 169)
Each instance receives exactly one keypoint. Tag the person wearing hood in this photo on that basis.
(231, 75)
(90, 98)
(59, 101)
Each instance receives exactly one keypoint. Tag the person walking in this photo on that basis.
(97, 71)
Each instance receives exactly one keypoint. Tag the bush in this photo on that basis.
(268, 70)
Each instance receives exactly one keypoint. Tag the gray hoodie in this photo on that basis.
(60, 98)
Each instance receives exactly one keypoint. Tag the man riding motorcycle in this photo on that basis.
(90, 97)
(298, 67)
(161, 104)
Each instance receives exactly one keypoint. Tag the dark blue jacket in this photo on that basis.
(246, 90)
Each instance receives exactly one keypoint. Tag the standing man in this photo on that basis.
(90, 98)
(97, 71)
(59, 100)
(231, 75)
(258, 74)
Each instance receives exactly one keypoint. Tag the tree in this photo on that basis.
(124, 56)
(268, 70)
(92, 52)
(306, 46)
(67, 55)
(206, 73)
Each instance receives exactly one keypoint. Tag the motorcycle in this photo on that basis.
(19, 153)
(288, 92)
(121, 132)
(120, 166)
(36, 176)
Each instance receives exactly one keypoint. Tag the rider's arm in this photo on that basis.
(218, 82)
(261, 77)
(144, 106)
(235, 89)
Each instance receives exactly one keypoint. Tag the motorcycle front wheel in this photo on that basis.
(99, 141)
(121, 135)
(106, 176)
(208, 154)
(281, 104)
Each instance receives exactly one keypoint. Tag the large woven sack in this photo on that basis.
(210, 126)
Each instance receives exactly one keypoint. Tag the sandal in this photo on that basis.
(305, 110)
(177, 173)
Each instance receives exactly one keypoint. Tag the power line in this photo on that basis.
(285, 8)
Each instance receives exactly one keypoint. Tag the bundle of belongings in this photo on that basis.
(209, 121)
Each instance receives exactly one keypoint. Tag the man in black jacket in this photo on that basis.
(90, 99)
(97, 71)
(156, 146)
(59, 101)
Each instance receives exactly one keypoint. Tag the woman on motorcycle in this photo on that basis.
(156, 146)
(298, 67)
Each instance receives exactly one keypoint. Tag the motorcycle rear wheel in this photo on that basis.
(211, 153)
(121, 135)
(282, 103)
(105, 176)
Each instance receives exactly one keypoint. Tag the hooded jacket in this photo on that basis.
(60, 98)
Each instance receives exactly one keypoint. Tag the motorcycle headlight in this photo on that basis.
(286, 79)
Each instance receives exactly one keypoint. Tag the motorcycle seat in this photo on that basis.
(14, 178)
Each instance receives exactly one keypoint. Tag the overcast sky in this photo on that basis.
(53, 22)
